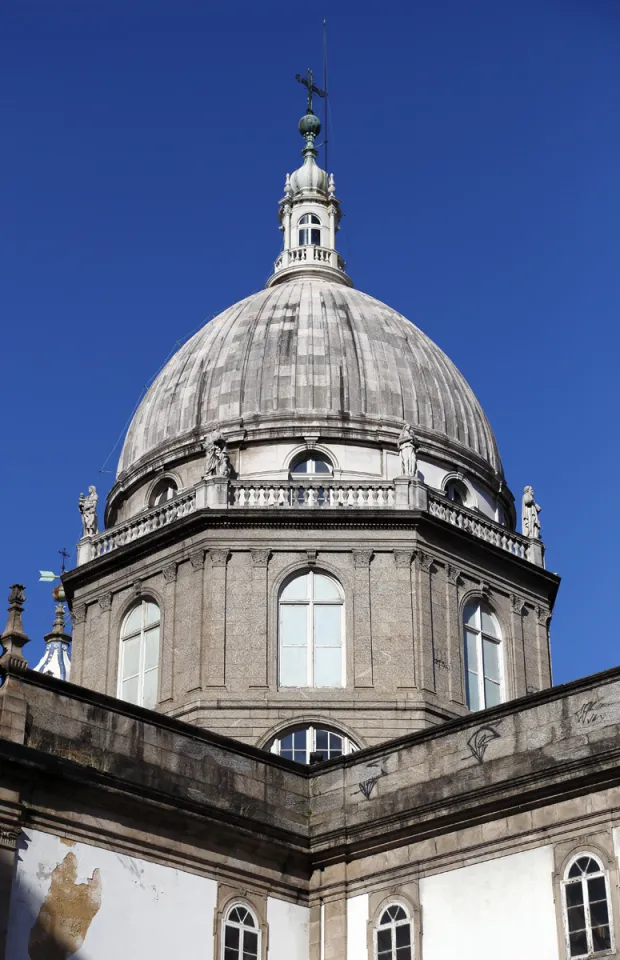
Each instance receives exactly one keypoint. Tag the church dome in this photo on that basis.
(311, 355)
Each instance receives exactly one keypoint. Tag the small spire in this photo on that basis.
(56, 661)
(14, 637)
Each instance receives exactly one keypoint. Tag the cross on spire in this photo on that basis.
(312, 88)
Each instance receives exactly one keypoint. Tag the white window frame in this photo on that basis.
(233, 923)
(310, 605)
(392, 926)
(480, 636)
(311, 460)
(602, 872)
(141, 633)
(348, 745)
(307, 223)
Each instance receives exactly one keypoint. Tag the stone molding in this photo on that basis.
(517, 604)
(170, 572)
(260, 558)
(197, 559)
(78, 614)
(105, 602)
(426, 563)
(362, 558)
(403, 558)
(219, 558)
(454, 576)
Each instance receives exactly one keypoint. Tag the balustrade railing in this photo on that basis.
(310, 254)
(312, 494)
(308, 494)
(479, 526)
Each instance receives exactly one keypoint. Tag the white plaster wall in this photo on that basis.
(146, 910)
(357, 927)
(500, 908)
(288, 930)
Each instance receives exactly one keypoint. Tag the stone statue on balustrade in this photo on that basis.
(217, 461)
(530, 524)
(88, 509)
(408, 448)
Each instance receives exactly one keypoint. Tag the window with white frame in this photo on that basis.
(311, 462)
(310, 230)
(311, 632)
(483, 656)
(304, 744)
(138, 678)
(163, 490)
(393, 940)
(587, 908)
(241, 934)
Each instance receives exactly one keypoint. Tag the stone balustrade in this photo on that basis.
(310, 254)
(401, 493)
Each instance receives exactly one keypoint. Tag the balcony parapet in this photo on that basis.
(403, 493)
(312, 260)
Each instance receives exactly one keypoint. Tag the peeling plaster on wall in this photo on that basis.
(66, 914)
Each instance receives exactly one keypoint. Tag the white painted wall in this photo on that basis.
(146, 910)
(500, 908)
(357, 927)
(288, 930)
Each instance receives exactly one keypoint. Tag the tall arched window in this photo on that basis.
(311, 627)
(164, 489)
(483, 659)
(393, 940)
(308, 232)
(587, 910)
(241, 934)
(138, 676)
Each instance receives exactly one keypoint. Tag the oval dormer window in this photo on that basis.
(308, 232)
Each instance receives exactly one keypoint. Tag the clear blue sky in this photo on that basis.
(476, 148)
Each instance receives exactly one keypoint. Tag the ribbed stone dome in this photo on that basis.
(309, 351)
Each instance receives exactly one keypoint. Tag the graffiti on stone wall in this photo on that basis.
(479, 741)
(589, 712)
(66, 913)
(367, 786)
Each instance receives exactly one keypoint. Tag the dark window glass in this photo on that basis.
(403, 935)
(231, 936)
(576, 919)
(574, 894)
(599, 915)
(315, 236)
(596, 889)
(250, 945)
(578, 944)
(601, 938)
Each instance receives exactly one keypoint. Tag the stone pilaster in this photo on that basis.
(362, 619)
(425, 644)
(259, 640)
(518, 648)
(216, 651)
(195, 640)
(543, 621)
(9, 834)
(454, 630)
(111, 646)
(166, 681)
(78, 621)
(404, 616)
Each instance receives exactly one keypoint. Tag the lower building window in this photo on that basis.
(393, 934)
(310, 744)
(241, 934)
(587, 908)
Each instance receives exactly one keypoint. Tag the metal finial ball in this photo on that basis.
(309, 124)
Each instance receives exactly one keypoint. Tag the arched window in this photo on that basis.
(483, 660)
(163, 490)
(138, 676)
(310, 744)
(587, 911)
(311, 462)
(393, 940)
(241, 934)
(311, 626)
(308, 233)
(457, 491)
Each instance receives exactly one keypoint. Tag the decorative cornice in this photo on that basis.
(170, 572)
(219, 558)
(362, 558)
(260, 558)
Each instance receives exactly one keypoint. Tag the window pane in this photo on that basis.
(403, 935)
(303, 237)
(403, 953)
(469, 615)
(322, 740)
(294, 667)
(576, 919)
(149, 697)
(490, 654)
(596, 889)
(489, 623)
(250, 945)
(131, 657)
(578, 944)
(574, 894)
(305, 218)
(601, 938)
(599, 914)
(152, 613)
(327, 667)
(325, 588)
(129, 690)
(327, 621)
(384, 940)
(473, 694)
(315, 237)
(471, 652)
(133, 622)
(492, 693)
(151, 648)
(301, 467)
(231, 936)
(321, 467)
(293, 625)
(231, 953)
(297, 589)
(313, 218)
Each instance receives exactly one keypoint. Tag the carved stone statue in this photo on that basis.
(408, 451)
(217, 461)
(88, 509)
(530, 524)
(223, 462)
(211, 457)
